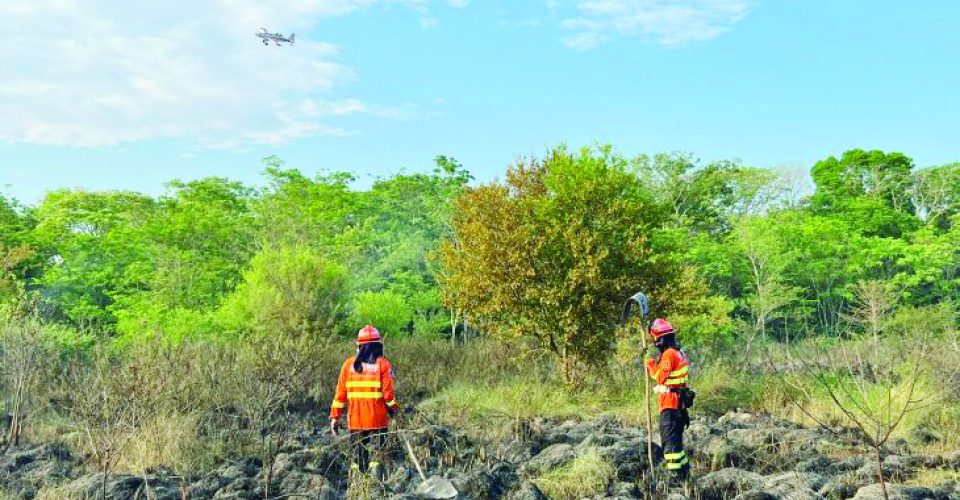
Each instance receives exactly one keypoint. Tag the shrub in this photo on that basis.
(144, 318)
(28, 367)
(164, 440)
(288, 291)
(107, 401)
(386, 310)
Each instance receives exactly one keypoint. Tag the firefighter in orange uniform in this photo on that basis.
(670, 371)
(365, 390)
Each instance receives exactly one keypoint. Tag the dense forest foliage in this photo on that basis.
(732, 251)
(215, 257)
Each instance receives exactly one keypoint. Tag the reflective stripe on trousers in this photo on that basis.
(672, 424)
(675, 461)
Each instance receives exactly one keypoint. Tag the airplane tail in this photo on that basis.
(292, 37)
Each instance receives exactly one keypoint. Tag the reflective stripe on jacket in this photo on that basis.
(365, 395)
(670, 372)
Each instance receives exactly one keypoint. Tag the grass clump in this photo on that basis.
(518, 398)
(61, 492)
(364, 487)
(929, 478)
(587, 475)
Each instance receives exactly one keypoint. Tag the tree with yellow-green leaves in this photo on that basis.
(15, 252)
(550, 254)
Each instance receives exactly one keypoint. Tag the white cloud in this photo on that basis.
(667, 22)
(314, 109)
(99, 72)
(458, 3)
(429, 22)
(585, 40)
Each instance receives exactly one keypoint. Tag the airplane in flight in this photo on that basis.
(276, 38)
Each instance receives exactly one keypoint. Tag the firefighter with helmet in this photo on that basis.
(365, 390)
(670, 368)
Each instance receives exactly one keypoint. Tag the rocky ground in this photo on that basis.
(738, 456)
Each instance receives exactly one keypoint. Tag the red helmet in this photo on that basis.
(368, 335)
(660, 327)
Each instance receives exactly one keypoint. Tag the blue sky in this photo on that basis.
(110, 95)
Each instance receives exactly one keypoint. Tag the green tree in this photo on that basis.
(767, 260)
(550, 254)
(824, 248)
(706, 198)
(287, 291)
(936, 194)
(407, 216)
(830, 255)
(196, 247)
(15, 223)
(98, 251)
(200, 240)
(297, 210)
(387, 310)
(870, 189)
(930, 266)
(17, 256)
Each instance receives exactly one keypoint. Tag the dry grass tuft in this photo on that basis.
(57, 493)
(164, 441)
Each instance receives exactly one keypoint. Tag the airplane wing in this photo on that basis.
(263, 30)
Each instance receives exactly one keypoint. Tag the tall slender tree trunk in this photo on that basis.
(272, 445)
(883, 483)
(453, 326)
(106, 476)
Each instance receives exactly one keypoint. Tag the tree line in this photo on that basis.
(302, 255)
(730, 251)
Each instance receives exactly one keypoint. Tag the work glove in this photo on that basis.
(334, 426)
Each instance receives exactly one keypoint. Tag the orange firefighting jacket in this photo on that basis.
(670, 372)
(365, 395)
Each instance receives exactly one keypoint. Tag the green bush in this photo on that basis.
(292, 291)
(145, 319)
(386, 310)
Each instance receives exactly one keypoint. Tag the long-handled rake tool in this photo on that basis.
(640, 300)
(340, 440)
(412, 455)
